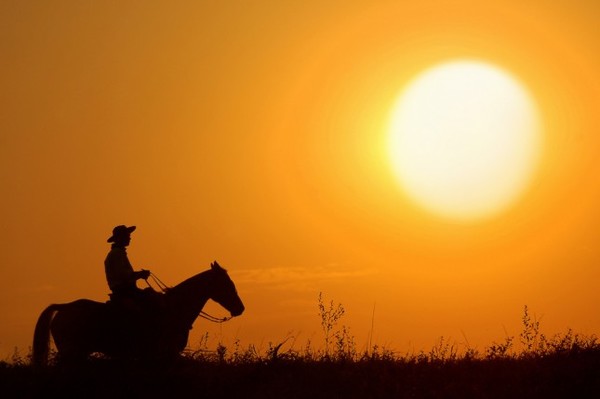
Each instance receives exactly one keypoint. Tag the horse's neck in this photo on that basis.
(187, 299)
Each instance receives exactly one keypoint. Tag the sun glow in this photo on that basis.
(465, 139)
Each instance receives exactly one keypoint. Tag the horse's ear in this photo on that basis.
(215, 266)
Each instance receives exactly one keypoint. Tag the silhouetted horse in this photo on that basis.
(82, 327)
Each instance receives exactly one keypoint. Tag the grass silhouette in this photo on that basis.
(537, 366)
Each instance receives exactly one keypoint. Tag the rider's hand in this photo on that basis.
(144, 274)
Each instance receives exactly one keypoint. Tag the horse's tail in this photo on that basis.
(41, 336)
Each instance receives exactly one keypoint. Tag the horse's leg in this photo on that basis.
(71, 357)
(170, 344)
(72, 339)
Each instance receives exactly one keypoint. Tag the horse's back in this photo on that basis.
(78, 313)
(86, 303)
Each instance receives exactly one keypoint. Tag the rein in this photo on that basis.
(212, 318)
(164, 288)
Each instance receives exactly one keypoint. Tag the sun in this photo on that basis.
(465, 139)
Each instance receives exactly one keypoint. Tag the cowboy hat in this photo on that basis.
(120, 231)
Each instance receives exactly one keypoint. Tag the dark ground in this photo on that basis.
(571, 375)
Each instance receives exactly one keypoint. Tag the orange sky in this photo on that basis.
(254, 133)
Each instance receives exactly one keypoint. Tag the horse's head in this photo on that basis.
(223, 290)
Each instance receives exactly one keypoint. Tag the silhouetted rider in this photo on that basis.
(120, 275)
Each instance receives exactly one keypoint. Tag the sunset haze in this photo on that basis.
(256, 134)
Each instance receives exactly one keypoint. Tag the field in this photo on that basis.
(569, 374)
(563, 366)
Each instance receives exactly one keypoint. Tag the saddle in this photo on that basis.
(147, 302)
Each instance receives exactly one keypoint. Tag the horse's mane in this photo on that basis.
(215, 268)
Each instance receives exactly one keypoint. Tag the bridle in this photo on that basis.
(164, 288)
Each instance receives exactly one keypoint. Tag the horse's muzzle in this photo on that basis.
(237, 311)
